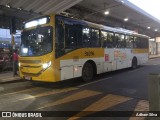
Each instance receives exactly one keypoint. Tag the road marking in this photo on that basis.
(21, 91)
(6, 73)
(102, 104)
(142, 105)
(136, 70)
(94, 82)
(10, 78)
(157, 64)
(49, 93)
(76, 96)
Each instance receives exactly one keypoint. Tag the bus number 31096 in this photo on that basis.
(89, 53)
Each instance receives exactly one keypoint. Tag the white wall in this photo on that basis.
(5, 33)
(157, 39)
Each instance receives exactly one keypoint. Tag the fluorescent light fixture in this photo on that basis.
(106, 12)
(8, 6)
(151, 39)
(31, 24)
(25, 50)
(42, 21)
(36, 22)
(148, 27)
(122, 1)
(125, 19)
(19, 8)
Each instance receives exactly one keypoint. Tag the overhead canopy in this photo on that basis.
(121, 9)
(38, 6)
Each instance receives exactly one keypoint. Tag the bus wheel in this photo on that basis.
(87, 72)
(134, 63)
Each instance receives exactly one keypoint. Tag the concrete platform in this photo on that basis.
(154, 56)
(8, 77)
(119, 92)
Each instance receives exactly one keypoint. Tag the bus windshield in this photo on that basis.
(36, 42)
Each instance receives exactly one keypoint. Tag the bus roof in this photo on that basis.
(95, 25)
(103, 27)
(116, 29)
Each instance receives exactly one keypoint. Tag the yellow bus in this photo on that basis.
(56, 48)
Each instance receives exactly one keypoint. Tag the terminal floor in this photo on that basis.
(123, 90)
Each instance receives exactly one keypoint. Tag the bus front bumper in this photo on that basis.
(43, 76)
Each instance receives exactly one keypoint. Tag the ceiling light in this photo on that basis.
(37, 22)
(125, 19)
(122, 1)
(148, 27)
(106, 12)
(156, 30)
(8, 6)
(19, 8)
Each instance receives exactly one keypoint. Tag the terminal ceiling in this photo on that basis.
(121, 10)
(25, 9)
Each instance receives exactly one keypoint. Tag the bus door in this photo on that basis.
(71, 61)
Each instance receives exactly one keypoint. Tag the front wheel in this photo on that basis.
(87, 72)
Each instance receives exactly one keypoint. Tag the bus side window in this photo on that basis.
(79, 35)
(86, 35)
(104, 39)
(95, 38)
(145, 43)
(59, 48)
(117, 40)
(110, 40)
(140, 42)
(120, 41)
(72, 37)
(129, 41)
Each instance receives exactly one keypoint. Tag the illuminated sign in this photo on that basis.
(37, 22)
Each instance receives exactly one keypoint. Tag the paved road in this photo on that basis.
(123, 90)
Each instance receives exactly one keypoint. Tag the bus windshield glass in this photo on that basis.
(37, 41)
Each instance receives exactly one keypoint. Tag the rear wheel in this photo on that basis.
(87, 72)
(134, 63)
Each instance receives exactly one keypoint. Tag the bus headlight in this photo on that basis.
(46, 65)
(19, 64)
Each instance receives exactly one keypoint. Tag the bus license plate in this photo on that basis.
(27, 78)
